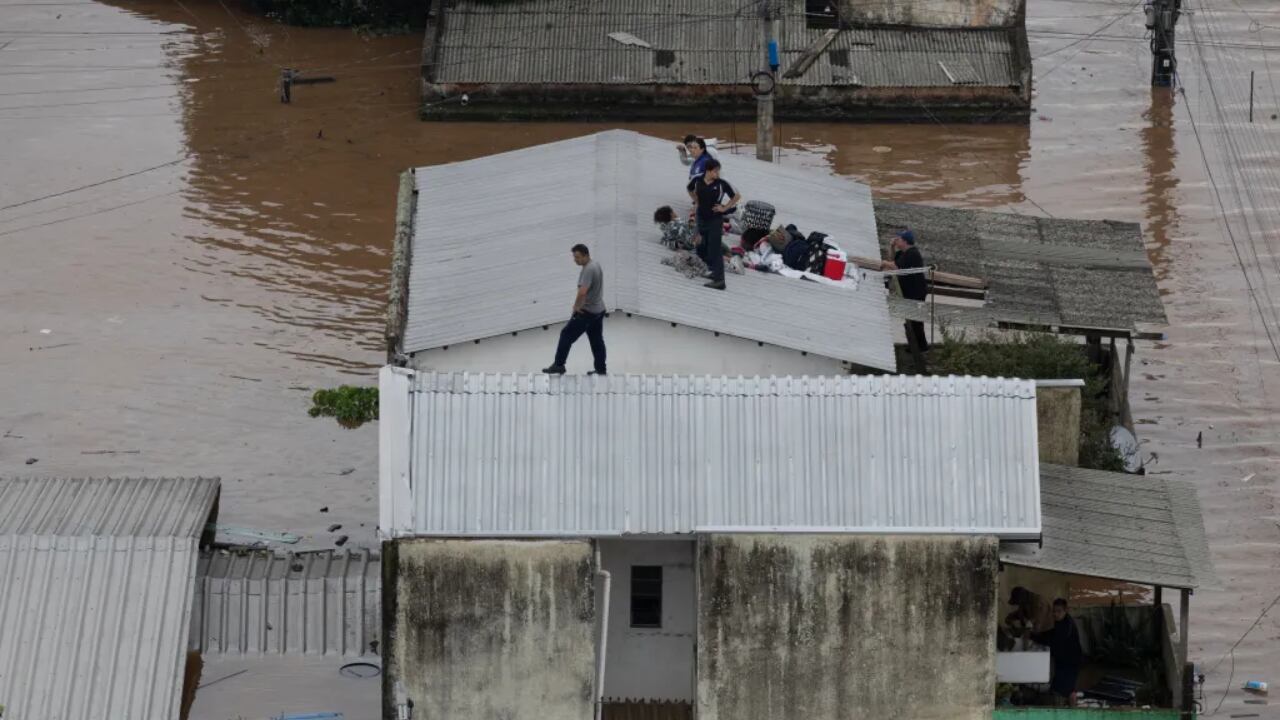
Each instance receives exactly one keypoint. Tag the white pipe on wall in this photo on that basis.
(607, 581)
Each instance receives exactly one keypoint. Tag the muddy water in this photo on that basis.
(184, 258)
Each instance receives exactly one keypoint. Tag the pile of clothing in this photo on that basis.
(786, 247)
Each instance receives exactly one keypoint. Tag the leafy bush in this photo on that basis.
(352, 406)
(400, 15)
(1037, 356)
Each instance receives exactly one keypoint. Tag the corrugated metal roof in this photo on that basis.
(697, 42)
(1042, 271)
(175, 507)
(97, 578)
(262, 602)
(491, 239)
(492, 455)
(1136, 528)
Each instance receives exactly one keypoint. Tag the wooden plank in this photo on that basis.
(938, 277)
(807, 58)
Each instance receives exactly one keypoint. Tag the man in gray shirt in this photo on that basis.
(587, 317)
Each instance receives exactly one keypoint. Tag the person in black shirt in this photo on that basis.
(1064, 652)
(906, 256)
(708, 193)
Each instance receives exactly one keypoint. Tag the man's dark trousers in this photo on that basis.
(712, 248)
(916, 339)
(583, 322)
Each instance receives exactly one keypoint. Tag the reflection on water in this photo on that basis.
(1162, 182)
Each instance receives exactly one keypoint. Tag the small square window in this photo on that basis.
(646, 596)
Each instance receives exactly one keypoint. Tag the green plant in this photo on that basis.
(1036, 356)
(382, 16)
(352, 406)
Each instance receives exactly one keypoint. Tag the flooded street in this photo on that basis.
(184, 259)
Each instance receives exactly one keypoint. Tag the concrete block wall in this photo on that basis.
(936, 13)
(490, 629)
(809, 626)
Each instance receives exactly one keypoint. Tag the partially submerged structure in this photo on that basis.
(924, 60)
(1089, 278)
(483, 273)
(733, 518)
(746, 547)
(97, 579)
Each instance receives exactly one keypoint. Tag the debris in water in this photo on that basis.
(1200, 439)
(324, 509)
(346, 471)
(1248, 477)
(342, 540)
(256, 534)
(882, 149)
(1046, 118)
(32, 461)
(46, 331)
(335, 527)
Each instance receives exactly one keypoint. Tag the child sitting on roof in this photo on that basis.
(676, 234)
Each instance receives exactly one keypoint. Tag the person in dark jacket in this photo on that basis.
(713, 197)
(1064, 652)
(906, 256)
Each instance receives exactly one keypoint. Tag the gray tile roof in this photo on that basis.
(1136, 528)
(97, 580)
(574, 456)
(701, 42)
(1043, 271)
(492, 236)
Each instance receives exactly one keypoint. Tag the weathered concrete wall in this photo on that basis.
(935, 13)
(636, 345)
(489, 630)
(846, 627)
(706, 103)
(1058, 425)
(651, 663)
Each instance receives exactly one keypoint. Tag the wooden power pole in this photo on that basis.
(1162, 16)
(763, 82)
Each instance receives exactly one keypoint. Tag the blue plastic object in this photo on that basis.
(773, 55)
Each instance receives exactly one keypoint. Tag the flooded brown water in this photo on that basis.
(183, 258)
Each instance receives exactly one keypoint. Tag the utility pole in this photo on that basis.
(764, 81)
(1162, 16)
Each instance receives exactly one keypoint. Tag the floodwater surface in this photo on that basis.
(184, 259)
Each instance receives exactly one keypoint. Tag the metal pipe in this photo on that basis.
(607, 582)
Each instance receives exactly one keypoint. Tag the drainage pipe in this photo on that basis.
(607, 582)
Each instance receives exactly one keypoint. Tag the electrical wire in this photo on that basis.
(1233, 142)
(1083, 42)
(1213, 183)
(983, 160)
(99, 183)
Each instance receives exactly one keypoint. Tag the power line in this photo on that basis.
(94, 184)
(983, 160)
(88, 102)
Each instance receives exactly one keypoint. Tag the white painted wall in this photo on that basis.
(651, 663)
(636, 345)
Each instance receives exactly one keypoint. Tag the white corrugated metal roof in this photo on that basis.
(106, 506)
(534, 455)
(1135, 528)
(97, 577)
(314, 603)
(492, 236)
